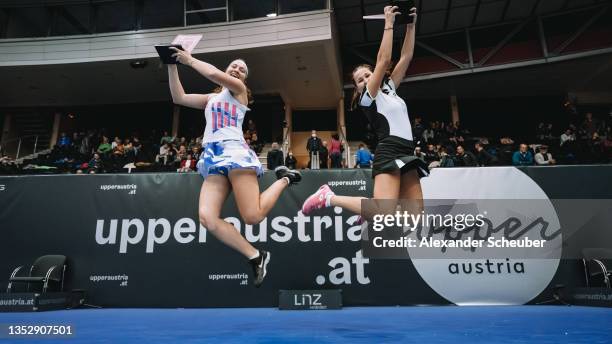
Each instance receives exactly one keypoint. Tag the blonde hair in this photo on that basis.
(218, 89)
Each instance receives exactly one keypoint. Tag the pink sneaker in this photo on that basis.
(317, 200)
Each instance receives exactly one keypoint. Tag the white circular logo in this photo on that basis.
(467, 277)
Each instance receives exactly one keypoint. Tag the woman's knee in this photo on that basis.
(208, 220)
(252, 218)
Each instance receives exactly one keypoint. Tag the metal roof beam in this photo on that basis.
(580, 31)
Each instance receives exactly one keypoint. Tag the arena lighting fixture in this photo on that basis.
(271, 15)
(138, 64)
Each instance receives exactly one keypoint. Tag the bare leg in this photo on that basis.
(253, 206)
(350, 203)
(411, 190)
(213, 194)
(386, 186)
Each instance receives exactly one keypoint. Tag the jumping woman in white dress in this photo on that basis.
(227, 164)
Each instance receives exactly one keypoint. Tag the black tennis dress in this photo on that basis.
(388, 117)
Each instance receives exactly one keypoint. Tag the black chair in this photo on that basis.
(594, 267)
(44, 270)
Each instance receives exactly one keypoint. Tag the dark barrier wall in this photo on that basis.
(135, 240)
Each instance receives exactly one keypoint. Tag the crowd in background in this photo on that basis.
(97, 151)
(586, 140)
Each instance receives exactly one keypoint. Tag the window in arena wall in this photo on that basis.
(248, 9)
(27, 22)
(115, 16)
(295, 6)
(205, 11)
(72, 20)
(3, 22)
(162, 13)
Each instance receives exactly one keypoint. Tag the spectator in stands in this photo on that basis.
(290, 161)
(440, 133)
(129, 152)
(543, 157)
(247, 135)
(86, 144)
(172, 156)
(417, 129)
(257, 146)
(116, 141)
(64, 140)
(76, 141)
(195, 153)
(313, 145)
(117, 156)
(137, 145)
(251, 126)
(522, 157)
(104, 148)
(192, 143)
(465, 158)
(429, 134)
(118, 148)
(418, 153)
(166, 138)
(506, 150)
(182, 154)
(95, 164)
(544, 132)
(188, 163)
(483, 157)
(162, 157)
(431, 154)
(567, 137)
(335, 152)
(589, 126)
(324, 156)
(275, 157)
(595, 149)
(363, 158)
(446, 159)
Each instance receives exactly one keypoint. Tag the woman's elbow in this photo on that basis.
(177, 100)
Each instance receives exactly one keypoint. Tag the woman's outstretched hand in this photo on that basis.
(413, 14)
(390, 14)
(182, 56)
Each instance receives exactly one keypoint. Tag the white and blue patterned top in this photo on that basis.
(224, 117)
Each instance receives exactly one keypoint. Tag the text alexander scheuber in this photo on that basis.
(459, 222)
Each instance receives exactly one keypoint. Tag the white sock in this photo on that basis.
(255, 256)
(328, 199)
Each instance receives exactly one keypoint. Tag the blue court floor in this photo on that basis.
(423, 325)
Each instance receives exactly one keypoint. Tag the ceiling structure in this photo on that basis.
(300, 73)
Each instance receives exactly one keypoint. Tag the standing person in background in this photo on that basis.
(166, 138)
(335, 152)
(313, 146)
(323, 156)
(363, 157)
(275, 157)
